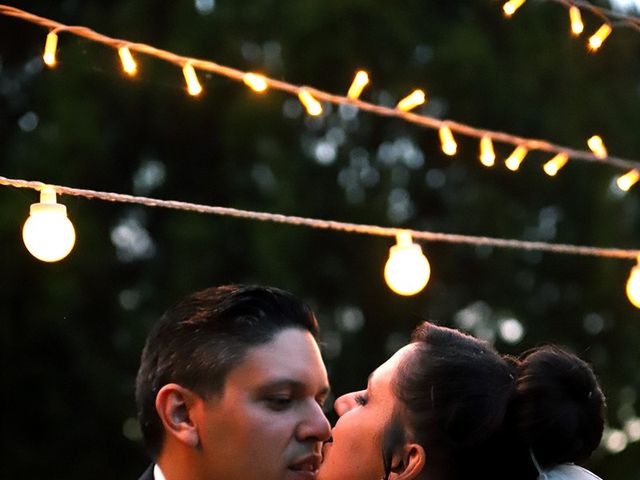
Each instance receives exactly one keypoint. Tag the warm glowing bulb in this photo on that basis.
(487, 155)
(255, 81)
(411, 101)
(193, 85)
(313, 106)
(360, 81)
(575, 16)
(633, 285)
(449, 145)
(128, 63)
(628, 180)
(48, 234)
(597, 39)
(554, 165)
(516, 158)
(597, 147)
(407, 271)
(50, 48)
(511, 6)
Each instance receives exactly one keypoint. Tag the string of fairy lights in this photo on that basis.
(312, 98)
(610, 19)
(49, 235)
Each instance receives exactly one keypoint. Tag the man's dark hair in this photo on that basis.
(199, 340)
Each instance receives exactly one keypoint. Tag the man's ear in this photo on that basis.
(407, 463)
(176, 408)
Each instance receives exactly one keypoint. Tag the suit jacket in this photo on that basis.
(148, 473)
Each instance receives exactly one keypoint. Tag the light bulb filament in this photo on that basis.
(128, 63)
(313, 106)
(596, 145)
(516, 158)
(511, 6)
(50, 47)
(360, 81)
(411, 101)
(255, 81)
(553, 166)
(628, 180)
(448, 143)
(597, 39)
(577, 27)
(487, 154)
(193, 85)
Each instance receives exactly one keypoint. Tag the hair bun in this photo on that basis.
(558, 407)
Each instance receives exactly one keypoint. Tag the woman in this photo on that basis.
(448, 407)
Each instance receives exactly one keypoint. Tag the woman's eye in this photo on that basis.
(360, 399)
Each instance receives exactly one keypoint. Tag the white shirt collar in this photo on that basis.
(157, 473)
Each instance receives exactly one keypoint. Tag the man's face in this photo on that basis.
(268, 423)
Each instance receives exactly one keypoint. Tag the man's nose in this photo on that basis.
(315, 425)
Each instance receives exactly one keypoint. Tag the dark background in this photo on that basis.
(71, 333)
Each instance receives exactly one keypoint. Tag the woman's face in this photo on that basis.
(356, 450)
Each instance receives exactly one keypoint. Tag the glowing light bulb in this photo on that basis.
(449, 145)
(628, 180)
(48, 234)
(511, 6)
(407, 271)
(597, 147)
(360, 81)
(411, 101)
(313, 106)
(516, 158)
(128, 63)
(50, 48)
(554, 165)
(487, 154)
(633, 285)
(597, 39)
(577, 27)
(193, 85)
(255, 81)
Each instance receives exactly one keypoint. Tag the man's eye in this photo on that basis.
(278, 403)
(360, 399)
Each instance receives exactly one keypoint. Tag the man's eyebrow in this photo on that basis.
(291, 383)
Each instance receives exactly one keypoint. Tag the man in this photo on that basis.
(231, 386)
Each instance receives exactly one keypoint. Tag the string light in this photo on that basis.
(407, 270)
(597, 39)
(360, 81)
(628, 180)
(487, 154)
(633, 285)
(516, 158)
(50, 47)
(421, 120)
(577, 27)
(411, 101)
(128, 63)
(511, 6)
(48, 234)
(448, 143)
(553, 166)
(313, 106)
(193, 85)
(596, 145)
(255, 81)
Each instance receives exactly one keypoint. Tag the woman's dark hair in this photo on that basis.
(558, 407)
(478, 414)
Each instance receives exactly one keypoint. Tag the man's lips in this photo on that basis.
(309, 463)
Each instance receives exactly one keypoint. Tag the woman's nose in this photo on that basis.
(345, 403)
